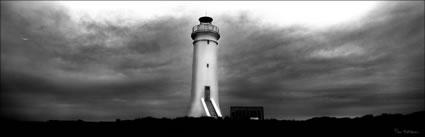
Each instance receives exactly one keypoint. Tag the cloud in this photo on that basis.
(367, 65)
(83, 74)
(55, 65)
(341, 51)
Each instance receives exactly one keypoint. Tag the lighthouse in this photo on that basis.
(204, 93)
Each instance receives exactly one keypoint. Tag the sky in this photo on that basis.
(101, 61)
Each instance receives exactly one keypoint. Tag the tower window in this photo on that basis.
(208, 65)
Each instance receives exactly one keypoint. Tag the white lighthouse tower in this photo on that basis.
(204, 96)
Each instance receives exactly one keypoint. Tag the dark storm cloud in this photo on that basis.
(373, 67)
(53, 67)
(109, 100)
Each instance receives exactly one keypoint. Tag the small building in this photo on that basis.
(247, 113)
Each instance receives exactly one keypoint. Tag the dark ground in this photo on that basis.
(368, 125)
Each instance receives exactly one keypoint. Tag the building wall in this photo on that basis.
(246, 112)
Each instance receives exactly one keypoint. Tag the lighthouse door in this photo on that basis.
(208, 102)
(207, 93)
